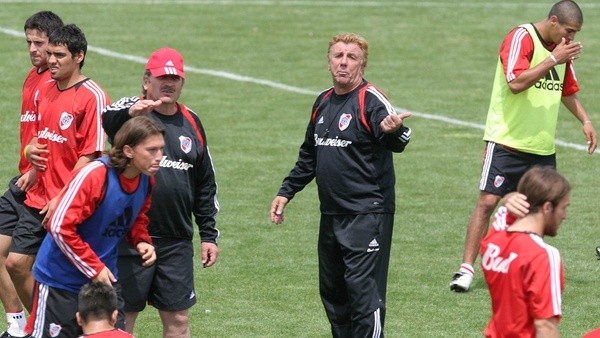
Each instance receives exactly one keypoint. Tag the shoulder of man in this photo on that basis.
(194, 120)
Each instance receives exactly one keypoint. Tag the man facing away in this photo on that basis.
(98, 310)
(524, 274)
(534, 75)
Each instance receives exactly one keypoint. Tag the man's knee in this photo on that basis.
(487, 202)
(18, 264)
(175, 323)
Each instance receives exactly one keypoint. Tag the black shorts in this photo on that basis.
(53, 313)
(29, 232)
(503, 167)
(11, 207)
(168, 284)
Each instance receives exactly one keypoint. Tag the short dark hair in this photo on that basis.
(543, 184)
(567, 12)
(97, 301)
(43, 21)
(71, 37)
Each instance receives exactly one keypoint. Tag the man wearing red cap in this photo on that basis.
(185, 186)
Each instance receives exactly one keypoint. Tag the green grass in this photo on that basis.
(434, 57)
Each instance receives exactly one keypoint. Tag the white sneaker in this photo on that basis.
(461, 282)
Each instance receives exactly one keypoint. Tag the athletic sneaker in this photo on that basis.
(461, 282)
(5, 334)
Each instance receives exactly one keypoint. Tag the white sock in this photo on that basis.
(466, 269)
(16, 323)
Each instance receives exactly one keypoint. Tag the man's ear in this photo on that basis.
(128, 151)
(113, 317)
(79, 320)
(79, 57)
(547, 207)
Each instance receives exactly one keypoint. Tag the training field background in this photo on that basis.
(254, 69)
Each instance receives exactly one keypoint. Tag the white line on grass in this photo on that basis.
(422, 4)
(280, 86)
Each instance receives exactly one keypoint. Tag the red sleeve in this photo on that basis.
(570, 85)
(544, 282)
(501, 221)
(75, 204)
(90, 134)
(510, 219)
(139, 228)
(516, 52)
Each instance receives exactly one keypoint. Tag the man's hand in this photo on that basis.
(210, 252)
(147, 252)
(48, 209)
(27, 180)
(566, 51)
(393, 122)
(143, 107)
(37, 155)
(277, 208)
(105, 276)
(516, 204)
(590, 135)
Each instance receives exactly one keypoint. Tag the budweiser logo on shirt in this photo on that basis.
(51, 136)
(331, 142)
(492, 261)
(166, 163)
(29, 116)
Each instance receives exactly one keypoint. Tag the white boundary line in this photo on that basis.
(311, 3)
(280, 86)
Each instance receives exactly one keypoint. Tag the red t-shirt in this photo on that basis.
(70, 123)
(592, 334)
(525, 278)
(115, 333)
(516, 52)
(28, 124)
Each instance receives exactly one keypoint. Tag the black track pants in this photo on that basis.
(354, 254)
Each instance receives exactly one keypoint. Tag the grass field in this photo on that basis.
(254, 68)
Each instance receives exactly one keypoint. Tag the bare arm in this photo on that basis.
(546, 328)
(83, 160)
(530, 76)
(576, 108)
(562, 53)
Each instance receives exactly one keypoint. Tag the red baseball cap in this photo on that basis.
(166, 61)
